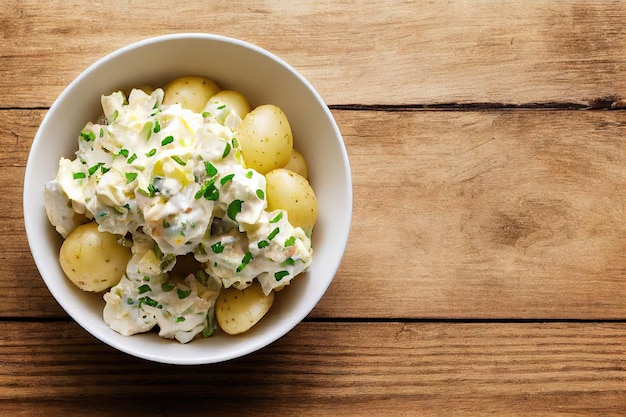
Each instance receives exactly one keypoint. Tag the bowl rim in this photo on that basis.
(31, 231)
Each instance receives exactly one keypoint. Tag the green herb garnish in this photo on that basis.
(226, 150)
(182, 294)
(244, 261)
(130, 177)
(148, 301)
(277, 218)
(143, 288)
(88, 136)
(94, 168)
(226, 178)
(179, 160)
(273, 233)
(233, 209)
(210, 169)
(280, 275)
(217, 247)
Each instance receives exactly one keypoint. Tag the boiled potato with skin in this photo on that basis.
(191, 92)
(234, 100)
(265, 138)
(292, 192)
(237, 311)
(297, 164)
(93, 260)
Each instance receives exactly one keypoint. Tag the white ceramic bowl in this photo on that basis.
(234, 64)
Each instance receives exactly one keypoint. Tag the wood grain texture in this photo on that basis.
(329, 368)
(393, 52)
(485, 214)
(486, 268)
(491, 214)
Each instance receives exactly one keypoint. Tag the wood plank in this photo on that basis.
(394, 52)
(322, 369)
(496, 214)
(485, 214)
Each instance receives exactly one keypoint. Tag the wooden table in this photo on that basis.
(486, 267)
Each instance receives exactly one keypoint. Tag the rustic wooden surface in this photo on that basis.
(486, 267)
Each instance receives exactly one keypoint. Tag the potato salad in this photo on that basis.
(185, 208)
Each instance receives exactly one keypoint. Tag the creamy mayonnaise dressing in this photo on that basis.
(173, 182)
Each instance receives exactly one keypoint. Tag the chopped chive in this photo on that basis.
(273, 233)
(94, 168)
(182, 294)
(210, 169)
(288, 261)
(88, 136)
(151, 152)
(233, 209)
(132, 158)
(226, 150)
(206, 114)
(223, 106)
(157, 127)
(157, 251)
(209, 191)
(249, 174)
(115, 115)
(217, 247)
(179, 160)
(104, 169)
(244, 261)
(235, 143)
(290, 241)
(79, 175)
(146, 278)
(260, 193)
(166, 224)
(143, 288)
(277, 218)
(167, 140)
(124, 153)
(180, 319)
(101, 132)
(202, 277)
(263, 244)
(167, 287)
(226, 178)
(130, 177)
(280, 275)
(149, 301)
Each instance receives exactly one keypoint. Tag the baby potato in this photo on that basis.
(297, 164)
(238, 310)
(234, 100)
(93, 260)
(190, 92)
(265, 138)
(292, 192)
